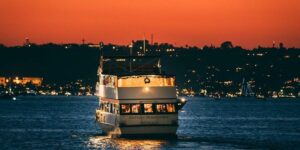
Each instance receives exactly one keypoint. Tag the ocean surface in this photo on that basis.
(69, 123)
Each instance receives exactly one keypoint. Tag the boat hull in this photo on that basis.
(137, 124)
(142, 130)
(138, 129)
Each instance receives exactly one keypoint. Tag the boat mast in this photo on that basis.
(159, 66)
(144, 44)
(243, 90)
(100, 70)
(130, 59)
(246, 89)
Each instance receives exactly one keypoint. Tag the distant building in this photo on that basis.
(33, 80)
(2, 81)
(37, 81)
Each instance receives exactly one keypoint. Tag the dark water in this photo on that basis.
(69, 123)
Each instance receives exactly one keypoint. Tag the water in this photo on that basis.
(69, 123)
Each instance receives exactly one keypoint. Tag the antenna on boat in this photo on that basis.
(130, 60)
(159, 66)
(101, 58)
(152, 36)
(246, 89)
(242, 86)
(144, 44)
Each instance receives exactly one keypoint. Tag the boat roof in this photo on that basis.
(132, 57)
(141, 75)
(132, 65)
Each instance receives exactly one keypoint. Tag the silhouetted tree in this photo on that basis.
(281, 46)
(226, 45)
(2, 46)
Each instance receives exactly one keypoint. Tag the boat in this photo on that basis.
(191, 93)
(135, 97)
(7, 95)
(260, 96)
(216, 96)
(246, 90)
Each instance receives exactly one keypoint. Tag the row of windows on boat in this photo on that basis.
(137, 81)
(139, 108)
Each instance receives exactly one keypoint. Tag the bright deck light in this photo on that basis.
(146, 89)
(182, 100)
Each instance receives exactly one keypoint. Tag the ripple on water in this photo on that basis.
(69, 123)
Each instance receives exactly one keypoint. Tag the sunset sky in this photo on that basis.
(247, 23)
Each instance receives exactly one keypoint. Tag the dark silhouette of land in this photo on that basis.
(215, 69)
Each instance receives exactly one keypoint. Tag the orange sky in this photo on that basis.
(195, 22)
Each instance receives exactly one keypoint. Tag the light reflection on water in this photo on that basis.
(104, 142)
(141, 143)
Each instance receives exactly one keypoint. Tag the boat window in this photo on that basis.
(150, 81)
(101, 106)
(108, 81)
(106, 107)
(160, 108)
(125, 108)
(111, 108)
(135, 108)
(170, 108)
(148, 108)
(115, 108)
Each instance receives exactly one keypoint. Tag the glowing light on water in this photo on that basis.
(124, 143)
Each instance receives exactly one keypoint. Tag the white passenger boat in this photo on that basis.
(137, 100)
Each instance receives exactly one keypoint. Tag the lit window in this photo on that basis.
(125, 108)
(135, 108)
(106, 107)
(148, 108)
(161, 108)
(170, 108)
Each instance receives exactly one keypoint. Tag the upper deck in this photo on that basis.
(137, 87)
(134, 78)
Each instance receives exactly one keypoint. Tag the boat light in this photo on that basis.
(146, 89)
(182, 100)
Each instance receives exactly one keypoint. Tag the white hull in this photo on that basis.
(137, 124)
(139, 130)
